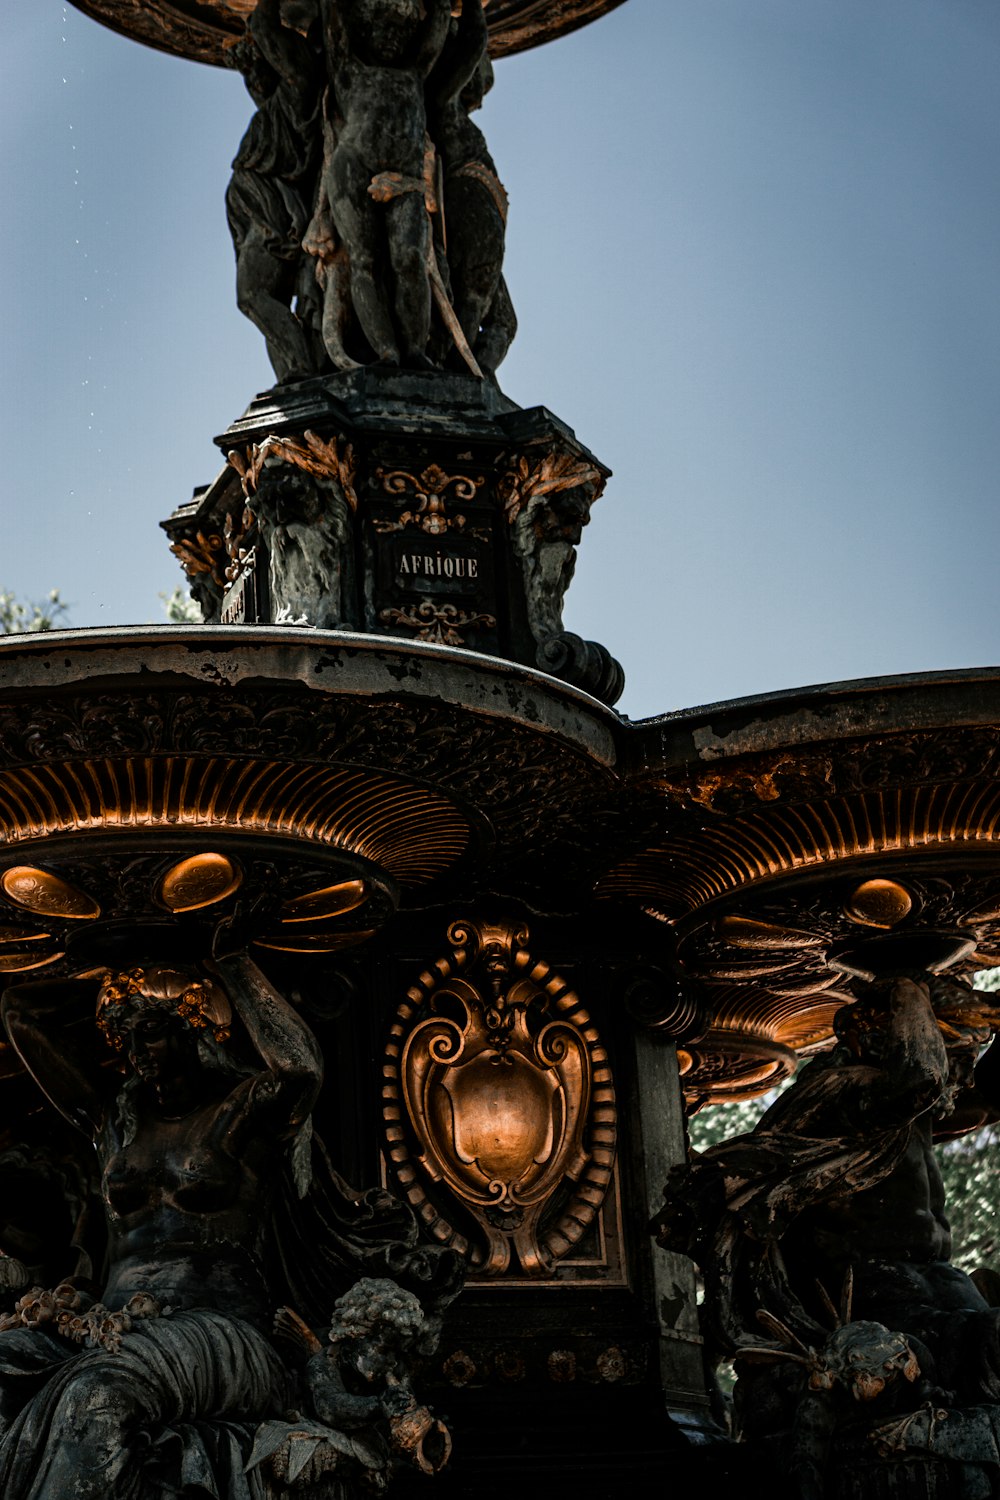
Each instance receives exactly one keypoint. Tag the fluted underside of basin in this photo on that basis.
(330, 776)
(203, 29)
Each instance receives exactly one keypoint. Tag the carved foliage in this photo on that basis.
(324, 458)
(499, 1094)
(202, 554)
(530, 477)
(444, 623)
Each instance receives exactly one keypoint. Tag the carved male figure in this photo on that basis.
(380, 53)
(269, 198)
(474, 202)
(839, 1177)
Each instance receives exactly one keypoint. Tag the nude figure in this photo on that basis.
(189, 1146)
(380, 53)
(474, 206)
(269, 197)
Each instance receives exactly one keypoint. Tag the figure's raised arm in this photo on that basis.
(434, 36)
(913, 1064)
(282, 46)
(461, 56)
(41, 1017)
(287, 1088)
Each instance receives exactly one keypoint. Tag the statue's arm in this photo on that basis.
(341, 24)
(285, 50)
(461, 57)
(332, 1402)
(287, 1088)
(914, 1065)
(977, 1104)
(38, 1016)
(435, 34)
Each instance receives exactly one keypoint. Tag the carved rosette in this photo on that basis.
(499, 1104)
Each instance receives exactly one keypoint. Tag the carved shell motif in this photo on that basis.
(499, 1104)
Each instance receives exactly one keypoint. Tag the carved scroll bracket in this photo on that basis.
(431, 493)
(499, 1105)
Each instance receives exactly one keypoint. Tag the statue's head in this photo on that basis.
(298, 15)
(156, 1016)
(380, 1328)
(864, 1358)
(862, 1028)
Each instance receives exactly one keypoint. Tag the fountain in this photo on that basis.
(375, 834)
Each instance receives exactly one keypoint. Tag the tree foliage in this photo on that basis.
(180, 608)
(26, 617)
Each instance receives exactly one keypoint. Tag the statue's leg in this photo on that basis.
(88, 1451)
(264, 285)
(309, 300)
(356, 221)
(336, 310)
(408, 231)
(499, 328)
(476, 254)
(27, 1358)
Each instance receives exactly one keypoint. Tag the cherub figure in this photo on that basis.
(364, 1417)
(857, 1364)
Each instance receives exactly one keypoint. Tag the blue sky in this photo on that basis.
(754, 250)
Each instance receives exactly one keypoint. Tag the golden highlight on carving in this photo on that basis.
(879, 903)
(727, 854)
(443, 623)
(324, 458)
(46, 894)
(199, 881)
(14, 963)
(331, 901)
(529, 478)
(431, 491)
(498, 1095)
(410, 832)
(202, 554)
(318, 942)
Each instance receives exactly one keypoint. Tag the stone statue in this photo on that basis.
(216, 1208)
(270, 195)
(474, 202)
(839, 1182)
(364, 1419)
(379, 189)
(332, 263)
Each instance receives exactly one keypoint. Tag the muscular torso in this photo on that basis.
(901, 1218)
(378, 89)
(458, 138)
(186, 1217)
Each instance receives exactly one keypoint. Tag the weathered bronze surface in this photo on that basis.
(163, 1342)
(205, 29)
(837, 1190)
(422, 506)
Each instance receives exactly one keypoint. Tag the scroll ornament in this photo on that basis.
(499, 1105)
